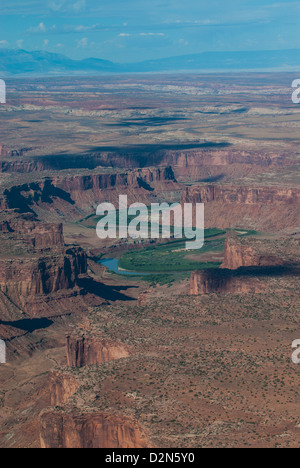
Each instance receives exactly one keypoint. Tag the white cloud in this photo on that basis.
(46, 42)
(284, 5)
(79, 6)
(183, 42)
(204, 22)
(56, 6)
(82, 28)
(152, 34)
(82, 42)
(3, 43)
(67, 5)
(62, 29)
(42, 28)
(20, 43)
(38, 29)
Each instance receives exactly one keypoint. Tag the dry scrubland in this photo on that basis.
(211, 371)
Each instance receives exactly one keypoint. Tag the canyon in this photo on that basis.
(104, 360)
(192, 164)
(74, 196)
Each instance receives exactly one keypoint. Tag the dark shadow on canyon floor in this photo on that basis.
(29, 325)
(216, 178)
(255, 272)
(109, 293)
(135, 156)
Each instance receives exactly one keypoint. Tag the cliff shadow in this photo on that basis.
(29, 325)
(109, 293)
(135, 156)
(216, 178)
(271, 271)
(35, 193)
(146, 155)
(268, 271)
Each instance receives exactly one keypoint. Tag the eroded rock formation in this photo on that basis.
(223, 281)
(45, 275)
(24, 227)
(191, 163)
(260, 252)
(238, 255)
(9, 152)
(61, 430)
(261, 208)
(62, 387)
(245, 195)
(85, 192)
(24, 281)
(221, 163)
(39, 276)
(243, 253)
(84, 351)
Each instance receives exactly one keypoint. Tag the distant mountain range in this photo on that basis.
(21, 62)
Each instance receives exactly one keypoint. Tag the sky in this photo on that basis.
(127, 31)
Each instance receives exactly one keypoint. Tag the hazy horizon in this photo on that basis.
(132, 31)
(42, 63)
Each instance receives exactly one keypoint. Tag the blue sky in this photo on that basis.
(135, 30)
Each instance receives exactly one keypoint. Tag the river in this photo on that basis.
(112, 264)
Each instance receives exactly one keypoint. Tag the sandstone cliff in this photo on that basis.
(223, 163)
(190, 163)
(75, 195)
(61, 387)
(88, 351)
(24, 227)
(27, 277)
(261, 208)
(138, 185)
(245, 195)
(39, 286)
(223, 281)
(243, 253)
(96, 430)
(39, 276)
(260, 252)
(237, 255)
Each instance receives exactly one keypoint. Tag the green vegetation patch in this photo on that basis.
(172, 256)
